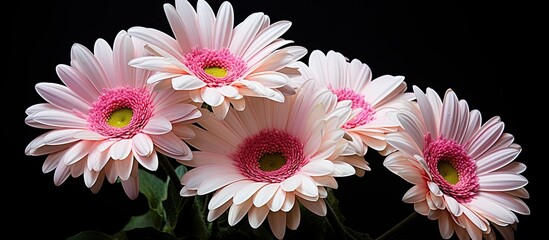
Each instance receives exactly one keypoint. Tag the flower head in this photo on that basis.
(106, 121)
(217, 63)
(352, 81)
(463, 171)
(271, 157)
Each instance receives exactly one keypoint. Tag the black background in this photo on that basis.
(488, 53)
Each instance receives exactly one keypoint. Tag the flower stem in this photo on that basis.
(167, 166)
(398, 227)
(337, 225)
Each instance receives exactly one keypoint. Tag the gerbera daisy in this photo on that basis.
(271, 157)
(217, 63)
(374, 98)
(463, 171)
(107, 121)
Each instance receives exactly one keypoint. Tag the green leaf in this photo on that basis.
(149, 234)
(153, 188)
(92, 235)
(149, 219)
(173, 202)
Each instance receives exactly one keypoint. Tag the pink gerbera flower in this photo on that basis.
(463, 171)
(217, 63)
(373, 98)
(107, 121)
(270, 158)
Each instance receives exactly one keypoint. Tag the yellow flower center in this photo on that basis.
(216, 71)
(271, 162)
(448, 172)
(120, 117)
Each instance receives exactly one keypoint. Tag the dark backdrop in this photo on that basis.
(487, 53)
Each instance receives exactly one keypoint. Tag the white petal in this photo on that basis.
(158, 126)
(265, 194)
(187, 82)
(246, 192)
(318, 168)
(257, 215)
(237, 212)
(121, 149)
(217, 182)
(150, 162)
(212, 96)
(225, 194)
(291, 183)
(142, 144)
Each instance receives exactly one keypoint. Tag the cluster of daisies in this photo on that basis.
(264, 132)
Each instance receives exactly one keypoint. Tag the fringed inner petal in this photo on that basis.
(121, 112)
(367, 113)
(270, 156)
(452, 169)
(216, 68)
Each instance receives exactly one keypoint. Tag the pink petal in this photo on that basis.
(508, 201)
(270, 79)
(90, 177)
(61, 97)
(245, 32)
(453, 206)
(266, 36)
(318, 168)
(277, 201)
(223, 26)
(62, 119)
(501, 182)
(485, 138)
(59, 137)
(257, 215)
(170, 143)
(414, 195)
(157, 38)
(245, 193)
(495, 160)
(61, 174)
(265, 194)
(221, 110)
(308, 187)
(216, 213)
(237, 212)
(219, 181)
(291, 183)
(277, 223)
(212, 96)
(289, 203)
(187, 82)
(84, 60)
(150, 162)
(77, 82)
(317, 207)
(343, 169)
(158, 126)
(131, 186)
(77, 151)
(293, 218)
(121, 149)
(226, 193)
(88, 135)
(124, 167)
(142, 144)
(52, 160)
